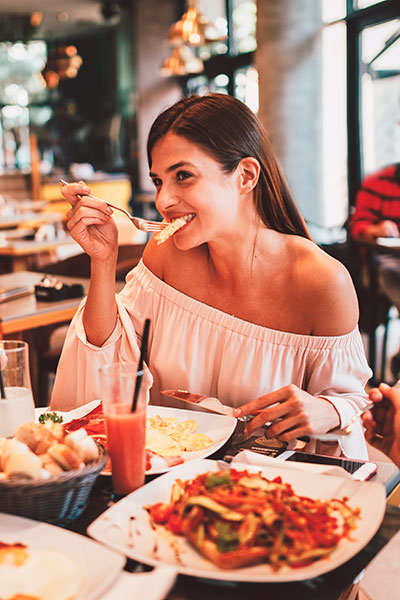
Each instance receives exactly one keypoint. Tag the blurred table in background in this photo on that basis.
(114, 188)
(31, 320)
(20, 255)
(378, 308)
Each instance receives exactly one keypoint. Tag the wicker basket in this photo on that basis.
(59, 499)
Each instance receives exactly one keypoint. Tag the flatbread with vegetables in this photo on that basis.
(238, 518)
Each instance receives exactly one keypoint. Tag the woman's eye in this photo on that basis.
(157, 182)
(181, 175)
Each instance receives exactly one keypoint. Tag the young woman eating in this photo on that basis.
(243, 305)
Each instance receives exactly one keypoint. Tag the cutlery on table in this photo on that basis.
(142, 224)
(207, 403)
(213, 405)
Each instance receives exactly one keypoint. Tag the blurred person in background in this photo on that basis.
(377, 214)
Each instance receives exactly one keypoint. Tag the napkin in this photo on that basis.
(381, 579)
(252, 458)
(153, 585)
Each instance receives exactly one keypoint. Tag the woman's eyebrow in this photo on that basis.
(173, 167)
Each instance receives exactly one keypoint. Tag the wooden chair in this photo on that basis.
(375, 308)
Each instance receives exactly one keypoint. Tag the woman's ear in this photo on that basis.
(248, 173)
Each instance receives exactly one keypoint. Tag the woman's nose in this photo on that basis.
(165, 200)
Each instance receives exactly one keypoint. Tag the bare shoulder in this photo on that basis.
(166, 261)
(153, 258)
(326, 288)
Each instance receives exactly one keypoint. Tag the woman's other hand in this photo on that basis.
(292, 412)
(382, 423)
(90, 222)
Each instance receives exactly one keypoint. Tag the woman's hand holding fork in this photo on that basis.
(90, 223)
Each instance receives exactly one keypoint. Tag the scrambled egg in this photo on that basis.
(168, 437)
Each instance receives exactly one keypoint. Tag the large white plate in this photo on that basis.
(100, 565)
(137, 538)
(218, 427)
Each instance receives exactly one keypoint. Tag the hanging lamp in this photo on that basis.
(182, 61)
(193, 28)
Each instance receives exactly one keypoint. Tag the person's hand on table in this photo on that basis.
(385, 228)
(382, 424)
(292, 412)
(90, 222)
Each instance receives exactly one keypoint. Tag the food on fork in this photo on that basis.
(163, 235)
(240, 518)
(33, 574)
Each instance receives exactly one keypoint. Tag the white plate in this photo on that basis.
(68, 416)
(140, 541)
(100, 565)
(391, 242)
(218, 427)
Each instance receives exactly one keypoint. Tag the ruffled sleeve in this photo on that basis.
(340, 376)
(77, 379)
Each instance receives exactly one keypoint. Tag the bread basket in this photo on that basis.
(58, 500)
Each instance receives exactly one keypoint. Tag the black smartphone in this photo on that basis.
(361, 470)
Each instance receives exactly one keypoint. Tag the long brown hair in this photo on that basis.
(228, 130)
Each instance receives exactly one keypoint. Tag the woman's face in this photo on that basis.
(190, 182)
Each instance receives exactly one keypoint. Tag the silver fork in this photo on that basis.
(337, 434)
(142, 224)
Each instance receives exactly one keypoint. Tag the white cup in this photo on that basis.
(16, 399)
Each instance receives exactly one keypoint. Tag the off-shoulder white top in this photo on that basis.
(196, 347)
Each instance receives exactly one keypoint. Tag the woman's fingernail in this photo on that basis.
(237, 412)
(109, 210)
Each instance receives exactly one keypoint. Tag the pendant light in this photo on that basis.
(193, 28)
(182, 61)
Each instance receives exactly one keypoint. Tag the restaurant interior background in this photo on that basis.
(81, 82)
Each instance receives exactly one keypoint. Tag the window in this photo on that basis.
(228, 63)
(380, 95)
(374, 88)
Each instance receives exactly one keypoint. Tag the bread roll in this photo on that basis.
(26, 465)
(12, 446)
(56, 429)
(87, 449)
(73, 438)
(65, 456)
(50, 464)
(29, 433)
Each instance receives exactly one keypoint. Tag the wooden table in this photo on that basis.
(26, 318)
(28, 216)
(20, 255)
(17, 316)
(31, 320)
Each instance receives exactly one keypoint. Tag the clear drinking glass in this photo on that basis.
(126, 429)
(17, 405)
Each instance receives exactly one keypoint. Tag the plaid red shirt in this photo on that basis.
(377, 200)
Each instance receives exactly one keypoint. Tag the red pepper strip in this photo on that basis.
(160, 512)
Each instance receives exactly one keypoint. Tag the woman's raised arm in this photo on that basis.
(91, 225)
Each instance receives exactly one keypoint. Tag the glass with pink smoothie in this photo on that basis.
(126, 429)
